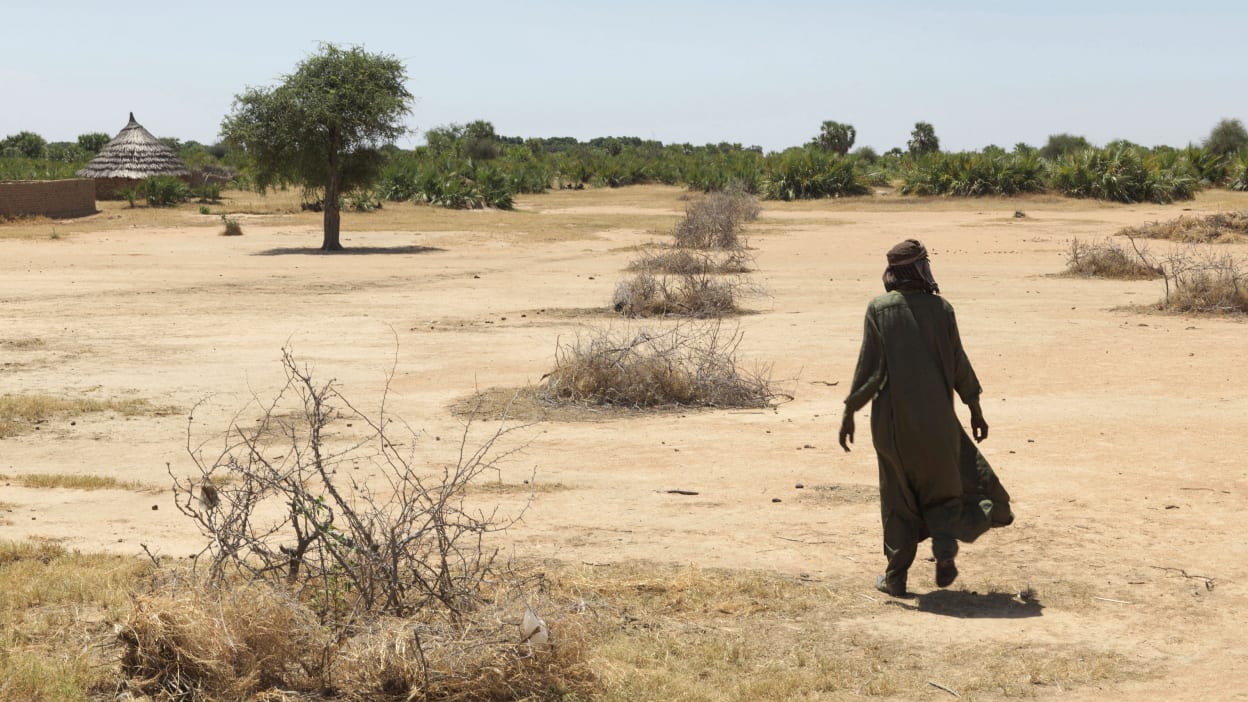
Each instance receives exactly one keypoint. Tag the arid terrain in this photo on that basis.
(1119, 431)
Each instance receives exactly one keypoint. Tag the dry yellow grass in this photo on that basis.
(625, 631)
(19, 413)
(76, 482)
(689, 634)
(29, 343)
(528, 487)
(528, 405)
(1221, 227)
(56, 615)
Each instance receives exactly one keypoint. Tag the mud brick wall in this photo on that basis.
(59, 199)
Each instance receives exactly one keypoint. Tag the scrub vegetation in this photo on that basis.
(75, 482)
(20, 414)
(1223, 227)
(316, 582)
(1198, 278)
(470, 166)
(84, 627)
(1106, 259)
(620, 632)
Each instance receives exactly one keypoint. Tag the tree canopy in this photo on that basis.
(24, 144)
(923, 139)
(1227, 137)
(325, 125)
(1061, 144)
(836, 137)
(92, 142)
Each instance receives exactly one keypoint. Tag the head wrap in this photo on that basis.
(909, 268)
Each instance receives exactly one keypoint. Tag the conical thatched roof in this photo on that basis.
(134, 153)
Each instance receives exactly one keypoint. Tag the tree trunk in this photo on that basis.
(333, 186)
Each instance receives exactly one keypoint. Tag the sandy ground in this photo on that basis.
(1120, 433)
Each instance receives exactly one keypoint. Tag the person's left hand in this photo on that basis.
(847, 431)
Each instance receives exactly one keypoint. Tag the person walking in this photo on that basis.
(933, 479)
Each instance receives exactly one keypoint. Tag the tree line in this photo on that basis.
(330, 127)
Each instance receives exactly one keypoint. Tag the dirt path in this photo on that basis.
(1119, 433)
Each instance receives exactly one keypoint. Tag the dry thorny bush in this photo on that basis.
(715, 221)
(1205, 282)
(306, 563)
(691, 364)
(682, 261)
(1197, 279)
(688, 295)
(1106, 259)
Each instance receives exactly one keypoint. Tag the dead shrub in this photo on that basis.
(1108, 259)
(695, 295)
(681, 261)
(1205, 282)
(314, 580)
(1222, 227)
(692, 364)
(280, 502)
(715, 221)
(1197, 279)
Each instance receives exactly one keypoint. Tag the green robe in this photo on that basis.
(933, 480)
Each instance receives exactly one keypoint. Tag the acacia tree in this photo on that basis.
(324, 126)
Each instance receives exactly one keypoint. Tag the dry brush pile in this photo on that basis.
(692, 364)
(701, 274)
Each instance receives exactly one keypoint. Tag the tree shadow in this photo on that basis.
(352, 251)
(973, 605)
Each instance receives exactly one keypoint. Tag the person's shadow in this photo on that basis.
(974, 605)
(349, 251)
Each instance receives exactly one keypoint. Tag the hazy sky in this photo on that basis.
(765, 73)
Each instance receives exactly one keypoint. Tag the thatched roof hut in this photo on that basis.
(132, 155)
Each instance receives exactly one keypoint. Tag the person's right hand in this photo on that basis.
(979, 427)
(847, 431)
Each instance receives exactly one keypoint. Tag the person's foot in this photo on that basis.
(896, 588)
(946, 572)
